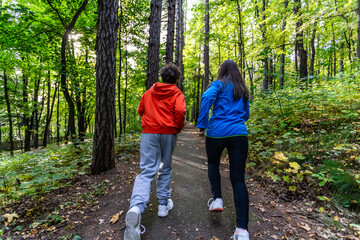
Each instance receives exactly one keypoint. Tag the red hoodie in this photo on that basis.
(162, 109)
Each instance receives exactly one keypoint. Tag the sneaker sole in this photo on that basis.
(167, 212)
(217, 210)
(131, 233)
(163, 214)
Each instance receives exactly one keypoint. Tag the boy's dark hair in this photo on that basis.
(170, 73)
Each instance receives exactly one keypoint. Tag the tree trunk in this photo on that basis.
(58, 118)
(206, 45)
(299, 43)
(265, 60)
(8, 108)
(34, 117)
(103, 157)
(358, 31)
(242, 64)
(152, 71)
(313, 51)
(125, 90)
(49, 116)
(170, 31)
(180, 85)
(282, 57)
(342, 57)
(119, 78)
(47, 123)
(26, 113)
(80, 113)
(63, 72)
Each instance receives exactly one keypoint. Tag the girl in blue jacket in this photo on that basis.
(226, 128)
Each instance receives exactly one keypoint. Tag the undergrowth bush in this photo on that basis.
(43, 170)
(308, 139)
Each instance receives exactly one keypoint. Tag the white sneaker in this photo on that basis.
(163, 210)
(216, 205)
(241, 235)
(132, 221)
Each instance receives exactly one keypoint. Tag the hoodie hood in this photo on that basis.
(164, 90)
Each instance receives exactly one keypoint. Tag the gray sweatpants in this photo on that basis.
(155, 156)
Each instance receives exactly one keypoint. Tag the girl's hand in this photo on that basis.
(201, 131)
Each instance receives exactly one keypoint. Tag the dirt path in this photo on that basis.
(190, 218)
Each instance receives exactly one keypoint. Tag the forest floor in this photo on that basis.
(94, 207)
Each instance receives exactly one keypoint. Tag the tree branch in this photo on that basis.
(57, 12)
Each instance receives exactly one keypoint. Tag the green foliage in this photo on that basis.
(310, 136)
(34, 173)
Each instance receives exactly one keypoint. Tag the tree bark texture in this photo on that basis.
(119, 77)
(282, 57)
(26, 119)
(242, 64)
(180, 41)
(8, 108)
(358, 30)
(170, 31)
(152, 72)
(206, 45)
(299, 43)
(103, 157)
(265, 60)
(313, 51)
(125, 89)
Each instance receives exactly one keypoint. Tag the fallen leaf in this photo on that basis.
(50, 229)
(280, 156)
(294, 165)
(304, 226)
(35, 224)
(9, 217)
(115, 217)
(276, 228)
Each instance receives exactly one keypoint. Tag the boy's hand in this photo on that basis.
(201, 131)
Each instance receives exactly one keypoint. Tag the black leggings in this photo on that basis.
(238, 149)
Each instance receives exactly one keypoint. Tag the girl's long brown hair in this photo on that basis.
(229, 70)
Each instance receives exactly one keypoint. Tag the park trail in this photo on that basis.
(190, 217)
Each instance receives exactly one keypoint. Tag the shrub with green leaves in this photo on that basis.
(310, 136)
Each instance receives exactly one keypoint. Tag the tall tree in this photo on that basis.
(26, 119)
(265, 53)
(170, 31)
(152, 71)
(358, 30)
(9, 114)
(282, 57)
(313, 50)
(119, 77)
(179, 41)
(103, 157)
(63, 72)
(206, 45)
(301, 53)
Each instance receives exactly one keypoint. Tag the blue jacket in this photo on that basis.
(228, 115)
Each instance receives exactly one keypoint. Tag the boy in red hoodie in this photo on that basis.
(162, 109)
